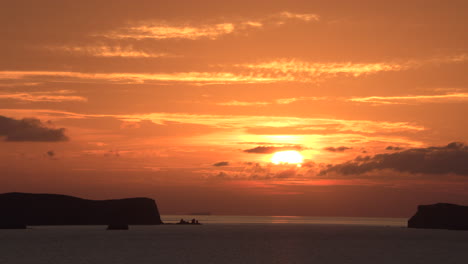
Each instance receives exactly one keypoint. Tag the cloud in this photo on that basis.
(281, 101)
(431, 160)
(338, 149)
(16, 84)
(375, 100)
(187, 77)
(270, 149)
(297, 99)
(234, 121)
(267, 72)
(286, 174)
(393, 148)
(221, 163)
(315, 69)
(263, 175)
(29, 129)
(412, 99)
(160, 30)
(462, 57)
(253, 24)
(112, 153)
(304, 17)
(230, 121)
(304, 71)
(254, 171)
(149, 30)
(243, 103)
(109, 51)
(52, 96)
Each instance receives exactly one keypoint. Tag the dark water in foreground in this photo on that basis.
(234, 243)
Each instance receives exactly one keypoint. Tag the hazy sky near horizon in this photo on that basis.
(187, 101)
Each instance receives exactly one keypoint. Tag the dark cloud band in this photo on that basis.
(221, 163)
(432, 160)
(270, 149)
(29, 129)
(338, 149)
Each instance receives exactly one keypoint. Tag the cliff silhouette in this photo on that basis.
(440, 216)
(56, 209)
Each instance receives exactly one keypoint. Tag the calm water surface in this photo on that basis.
(229, 219)
(225, 242)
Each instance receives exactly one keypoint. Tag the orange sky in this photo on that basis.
(187, 101)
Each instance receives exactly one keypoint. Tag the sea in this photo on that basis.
(238, 239)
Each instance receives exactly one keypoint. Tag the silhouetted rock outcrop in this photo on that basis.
(12, 226)
(54, 209)
(440, 216)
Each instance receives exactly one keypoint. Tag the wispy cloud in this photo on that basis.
(297, 99)
(375, 100)
(221, 121)
(109, 51)
(163, 30)
(411, 99)
(453, 58)
(267, 72)
(308, 69)
(193, 77)
(303, 70)
(243, 103)
(304, 17)
(16, 84)
(281, 101)
(253, 24)
(232, 121)
(47, 96)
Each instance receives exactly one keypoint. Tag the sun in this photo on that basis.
(287, 157)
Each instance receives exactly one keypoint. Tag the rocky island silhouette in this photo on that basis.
(18, 210)
(440, 216)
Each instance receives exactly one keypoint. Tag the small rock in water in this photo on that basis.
(117, 227)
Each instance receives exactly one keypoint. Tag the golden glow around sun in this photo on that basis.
(287, 157)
